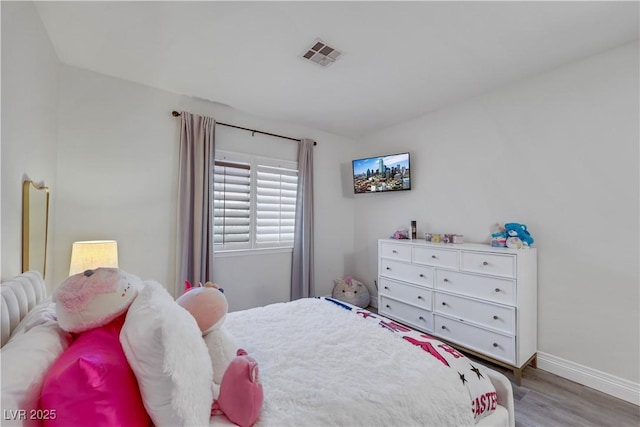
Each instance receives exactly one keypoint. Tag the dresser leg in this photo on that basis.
(517, 375)
(517, 372)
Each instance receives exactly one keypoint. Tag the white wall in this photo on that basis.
(558, 152)
(29, 124)
(117, 178)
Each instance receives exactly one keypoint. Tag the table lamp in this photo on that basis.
(91, 254)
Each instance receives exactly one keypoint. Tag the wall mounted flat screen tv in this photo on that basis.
(382, 174)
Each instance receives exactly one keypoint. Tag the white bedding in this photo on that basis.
(307, 382)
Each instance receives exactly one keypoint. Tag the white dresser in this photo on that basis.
(476, 297)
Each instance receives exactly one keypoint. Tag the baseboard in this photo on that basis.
(598, 380)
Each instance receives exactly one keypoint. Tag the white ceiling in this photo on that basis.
(400, 59)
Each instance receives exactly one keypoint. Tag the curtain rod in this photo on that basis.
(177, 114)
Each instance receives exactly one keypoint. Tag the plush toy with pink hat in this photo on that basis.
(237, 389)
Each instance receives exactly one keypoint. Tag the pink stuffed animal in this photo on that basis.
(237, 390)
(94, 298)
(241, 393)
(91, 383)
(209, 307)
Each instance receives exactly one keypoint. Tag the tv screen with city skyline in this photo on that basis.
(381, 174)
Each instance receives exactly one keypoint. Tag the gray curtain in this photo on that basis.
(194, 256)
(302, 283)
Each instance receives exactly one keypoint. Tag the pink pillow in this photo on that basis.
(91, 383)
(240, 391)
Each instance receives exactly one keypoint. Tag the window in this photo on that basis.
(231, 203)
(254, 202)
(276, 189)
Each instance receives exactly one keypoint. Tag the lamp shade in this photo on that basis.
(92, 254)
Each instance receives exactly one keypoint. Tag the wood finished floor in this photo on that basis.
(547, 400)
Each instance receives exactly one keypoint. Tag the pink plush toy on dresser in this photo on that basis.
(237, 390)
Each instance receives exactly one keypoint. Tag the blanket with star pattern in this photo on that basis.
(481, 391)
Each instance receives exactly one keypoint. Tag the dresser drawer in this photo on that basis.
(395, 251)
(499, 317)
(493, 289)
(493, 344)
(436, 257)
(406, 272)
(417, 317)
(494, 264)
(416, 295)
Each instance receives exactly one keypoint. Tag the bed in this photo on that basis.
(322, 362)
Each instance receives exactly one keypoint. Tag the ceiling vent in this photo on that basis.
(320, 53)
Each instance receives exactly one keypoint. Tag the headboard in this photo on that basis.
(19, 295)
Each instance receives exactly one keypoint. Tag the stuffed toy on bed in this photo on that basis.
(91, 383)
(94, 298)
(208, 306)
(241, 393)
(237, 390)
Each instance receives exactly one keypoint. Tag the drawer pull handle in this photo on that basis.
(386, 287)
(433, 256)
(389, 268)
(421, 275)
(421, 318)
(495, 344)
(497, 289)
(445, 280)
(495, 317)
(444, 327)
(388, 306)
(394, 251)
(419, 296)
(485, 263)
(444, 303)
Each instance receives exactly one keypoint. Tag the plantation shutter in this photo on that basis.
(232, 204)
(275, 205)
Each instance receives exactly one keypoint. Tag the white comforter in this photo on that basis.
(321, 365)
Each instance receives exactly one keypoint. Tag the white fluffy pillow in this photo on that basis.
(169, 358)
(36, 343)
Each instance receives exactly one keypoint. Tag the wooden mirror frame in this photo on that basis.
(35, 204)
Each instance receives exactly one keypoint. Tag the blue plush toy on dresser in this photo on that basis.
(514, 229)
